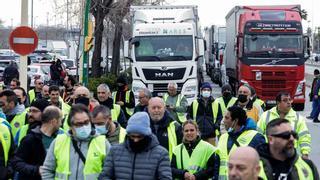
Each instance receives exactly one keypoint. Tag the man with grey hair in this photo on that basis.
(144, 96)
(167, 130)
(78, 154)
(102, 121)
(104, 98)
(176, 103)
(244, 164)
(32, 151)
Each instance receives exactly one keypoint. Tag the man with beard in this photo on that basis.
(68, 83)
(34, 119)
(284, 110)
(279, 157)
(31, 153)
(140, 156)
(104, 98)
(45, 92)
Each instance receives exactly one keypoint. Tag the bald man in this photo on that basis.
(244, 164)
(167, 130)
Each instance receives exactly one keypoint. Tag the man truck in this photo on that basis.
(266, 49)
(166, 45)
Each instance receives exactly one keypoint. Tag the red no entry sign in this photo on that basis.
(23, 40)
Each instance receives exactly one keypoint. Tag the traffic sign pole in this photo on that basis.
(23, 68)
(85, 57)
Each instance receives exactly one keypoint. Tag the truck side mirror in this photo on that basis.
(238, 46)
(307, 48)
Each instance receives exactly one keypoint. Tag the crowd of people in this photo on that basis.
(47, 133)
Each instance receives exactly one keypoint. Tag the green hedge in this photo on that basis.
(109, 79)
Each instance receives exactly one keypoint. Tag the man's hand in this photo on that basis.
(121, 103)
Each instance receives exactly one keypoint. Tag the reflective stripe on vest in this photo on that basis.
(23, 132)
(223, 107)
(32, 95)
(303, 170)
(172, 137)
(195, 106)
(199, 157)
(17, 122)
(127, 99)
(94, 158)
(122, 135)
(5, 140)
(115, 112)
(181, 116)
(244, 140)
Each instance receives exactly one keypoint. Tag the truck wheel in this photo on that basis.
(298, 107)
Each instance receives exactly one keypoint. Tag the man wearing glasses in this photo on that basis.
(144, 96)
(284, 110)
(140, 156)
(279, 158)
(36, 92)
(79, 153)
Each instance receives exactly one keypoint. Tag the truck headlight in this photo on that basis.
(300, 88)
(258, 75)
(191, 88)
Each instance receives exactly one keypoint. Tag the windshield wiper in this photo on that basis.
(145, 58)
(265, 52)
(178, 57)
(287, 53)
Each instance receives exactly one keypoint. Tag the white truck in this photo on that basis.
(215, 37)
(166, 45)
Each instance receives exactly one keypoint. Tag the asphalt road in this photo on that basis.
(314, 128)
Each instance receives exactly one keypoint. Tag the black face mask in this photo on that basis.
(227, 94)
(140, 145)
(242, 98)
(82, 100)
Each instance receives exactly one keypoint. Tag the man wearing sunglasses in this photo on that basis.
(284, 110)
(279, 157)
(36, 92)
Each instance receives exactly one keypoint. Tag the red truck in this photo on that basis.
(266, 48)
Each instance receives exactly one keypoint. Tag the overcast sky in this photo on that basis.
(210, 11)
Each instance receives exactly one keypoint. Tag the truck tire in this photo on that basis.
(298, 107)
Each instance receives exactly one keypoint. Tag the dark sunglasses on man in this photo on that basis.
(286, 135)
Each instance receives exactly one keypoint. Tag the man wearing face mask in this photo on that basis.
(124, 96)
(201, 110)
(239, 134)
(102, 121)
(104, 98)
(78, 154)
(34, 119)
(221, 104)
(31, 153)
(284, 110)
(140, 156)
(280, 160)
(176, 103)
(254, 111)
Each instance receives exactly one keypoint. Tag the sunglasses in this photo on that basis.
(286, 135)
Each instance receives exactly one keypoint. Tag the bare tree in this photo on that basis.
(99, 9)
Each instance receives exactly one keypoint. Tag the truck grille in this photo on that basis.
(267, 84)
(170, 74)
(159, 89)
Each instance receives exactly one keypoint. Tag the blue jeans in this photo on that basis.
(315, 108)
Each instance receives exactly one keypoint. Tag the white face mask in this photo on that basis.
(101, 130)
(83, 132)
(206, 94)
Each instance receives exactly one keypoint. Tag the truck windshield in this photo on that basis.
(261, 45)
(164, 48)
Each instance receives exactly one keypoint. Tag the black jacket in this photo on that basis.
(204, 118)
(122, 120)
(9, 73)
(160, 130)
(273, 167)
(212, 169)
(29, 156)
(121, 96)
